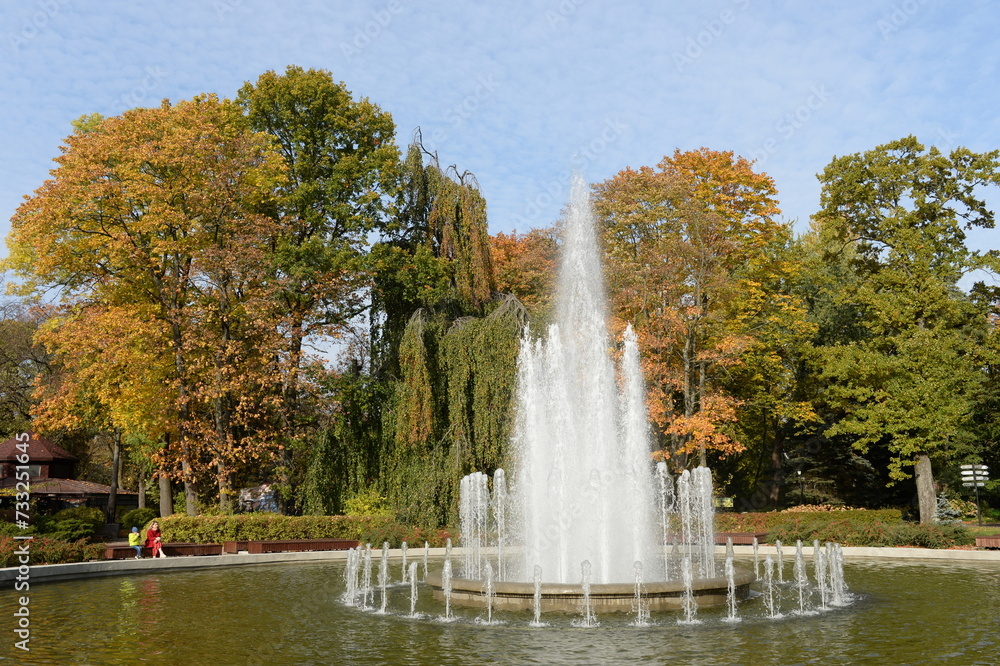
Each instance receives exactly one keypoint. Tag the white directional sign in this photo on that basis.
(975, 476)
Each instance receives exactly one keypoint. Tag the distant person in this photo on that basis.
(135, 540)
(153, 540)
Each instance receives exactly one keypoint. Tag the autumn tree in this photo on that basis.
(126, 230)
(696, 263)
(525, 265)
(914, 378)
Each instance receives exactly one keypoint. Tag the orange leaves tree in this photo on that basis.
(696, 262)
(151, 231)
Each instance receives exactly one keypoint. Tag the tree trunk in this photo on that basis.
(225, 488)
(116, 461)
(166, 497)
(925, 489)
(190, 490)
(777, 474)
(142, 492)
(702, 460)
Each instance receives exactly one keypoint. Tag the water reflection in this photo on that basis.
(902, 613)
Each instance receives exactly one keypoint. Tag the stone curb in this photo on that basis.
(98, 568)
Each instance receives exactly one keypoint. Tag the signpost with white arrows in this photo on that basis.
(975, 476)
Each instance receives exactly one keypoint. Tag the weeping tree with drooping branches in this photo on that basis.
(442, 355)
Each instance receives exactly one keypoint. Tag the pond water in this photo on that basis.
(901, 613)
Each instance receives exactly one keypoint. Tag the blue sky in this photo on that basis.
(520, 93)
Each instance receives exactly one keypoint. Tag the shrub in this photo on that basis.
(137, 518)
(368, 503)
(71, 524)
(765, 522)
(44, 550)
(876, 534)
(256, 526)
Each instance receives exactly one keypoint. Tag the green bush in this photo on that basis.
(765, 522)
(137, 518)
(878, 534)
(268, 526)
(43, 550)
(71, 524)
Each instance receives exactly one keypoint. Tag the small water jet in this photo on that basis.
(589, 618)
(404, 572)
(689, 605)
(383, 576)
(641, 609)
(731, 590)
(537, 598)
(801, 578)
(413, 589)
(351, 573)
(489, 593)
(771, 602)
(367, 590)
(780, 562)
(446, 587)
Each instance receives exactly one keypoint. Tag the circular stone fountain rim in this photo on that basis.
(741, 577)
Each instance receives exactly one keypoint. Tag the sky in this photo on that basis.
(524, 92)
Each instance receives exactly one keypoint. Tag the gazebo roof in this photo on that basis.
(63, 487)
(39, 450)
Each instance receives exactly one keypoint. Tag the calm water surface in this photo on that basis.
(902, 613)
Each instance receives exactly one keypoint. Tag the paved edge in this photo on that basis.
(97, 568)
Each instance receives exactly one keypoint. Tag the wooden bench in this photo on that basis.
(740, 538)
(120, 552)
(989, 541)
(258, 547)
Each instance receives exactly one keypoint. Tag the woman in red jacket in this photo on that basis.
(153, 540)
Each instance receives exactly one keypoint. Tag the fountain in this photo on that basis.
(584, 488)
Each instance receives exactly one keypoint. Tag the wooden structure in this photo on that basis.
(989, 541)
(50, 475)
(740, 538)
(287, 545)
(125, 552)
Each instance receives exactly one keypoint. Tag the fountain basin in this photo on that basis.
(604, 597)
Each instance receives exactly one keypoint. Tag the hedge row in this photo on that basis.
(268, 526)
(43, 550)
(766, 522)
(850, 533)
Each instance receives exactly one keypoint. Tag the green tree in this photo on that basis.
(21, 361)
(914, 377)
(342, 169)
